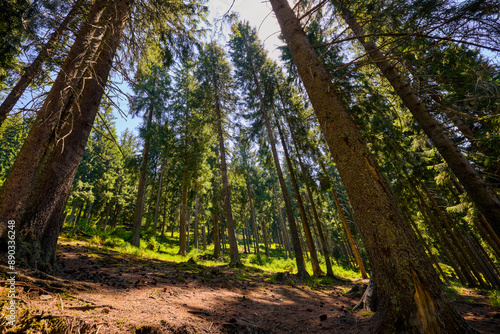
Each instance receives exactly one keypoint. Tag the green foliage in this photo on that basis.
(495, 298)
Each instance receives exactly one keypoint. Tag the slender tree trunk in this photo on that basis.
(43, 201)
(305, 223)
(183, 213)
(141, 191)
(282, 221)
(329, 270)
(233, 245)
(484, 198)
(254, 223)
(204, 236)
(264, 233)
(196, 220)
(216, 228)
(158, 196)
(408, 288)
(299, 258)
(34, 68)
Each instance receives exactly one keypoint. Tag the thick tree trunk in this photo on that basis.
(408, 289)
(484, 198)
(59, 105)
(141, 191)
(39, 216)
(33, 69)
(305, 223)
(233, 245)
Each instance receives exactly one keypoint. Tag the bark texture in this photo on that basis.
(39, 214)
(409, 295)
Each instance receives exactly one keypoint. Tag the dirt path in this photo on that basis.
(107, 292)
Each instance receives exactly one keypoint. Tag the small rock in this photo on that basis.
(323, 317)
(46, 297)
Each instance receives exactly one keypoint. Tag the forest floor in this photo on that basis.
(104, 291)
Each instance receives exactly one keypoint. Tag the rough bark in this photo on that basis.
(482, 195)
(40, 222)
(59, 105)
(409, 294)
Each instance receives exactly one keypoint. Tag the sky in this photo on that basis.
(257, 12)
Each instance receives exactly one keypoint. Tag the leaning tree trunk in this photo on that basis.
(409, 293)
(40, 223)
(484, 198)
(32, 70)
(297, 247)
(233, 245)
(354, 247)
(305, 222)
(141, 191)
(58, 104)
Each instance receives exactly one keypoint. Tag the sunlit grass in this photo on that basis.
(166, 249)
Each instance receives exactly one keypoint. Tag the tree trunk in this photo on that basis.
(305, 223)
(216, 228)
(233, 245)
(158, 196)
(282, 221)
(484, 198)
(183, 213)
(254, 223)
(196, 220)
(329, 270)
(141, 191)
(204, 237)
(297, 247)
(408, 289)
(33, 69)
(43, 201)
(61, 99)
(354, 247)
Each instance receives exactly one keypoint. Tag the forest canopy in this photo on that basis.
(372, 143)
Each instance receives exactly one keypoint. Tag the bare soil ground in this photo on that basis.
(107, 292)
